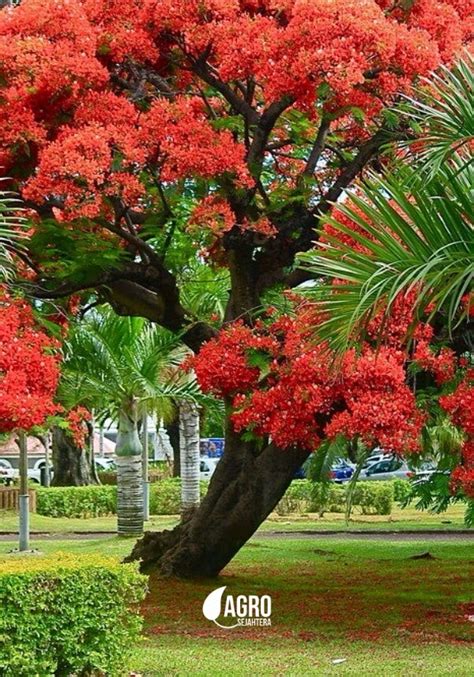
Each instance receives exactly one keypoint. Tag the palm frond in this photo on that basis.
(444, 109)
(110, 358)
(205, 290)
(424, 240)
(12, 226)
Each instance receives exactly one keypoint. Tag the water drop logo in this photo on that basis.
(212, 606)
(244, 610)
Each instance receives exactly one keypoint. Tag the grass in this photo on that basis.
(368, 602)
(399, 520)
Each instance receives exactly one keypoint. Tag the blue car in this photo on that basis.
(341, 471)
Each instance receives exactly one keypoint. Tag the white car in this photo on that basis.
(388, 469)
(207, 467)
(375, 458)
(102, 463)
(7, 474)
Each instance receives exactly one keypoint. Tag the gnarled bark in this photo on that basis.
(70, 463)
(245, 488)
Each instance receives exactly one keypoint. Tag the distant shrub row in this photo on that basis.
(374, 498)
(302, 496)
(98, 501)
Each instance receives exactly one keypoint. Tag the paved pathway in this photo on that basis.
(274, 535)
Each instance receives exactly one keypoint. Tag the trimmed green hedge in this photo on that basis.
(155, 475)
(165, 496)
(93, 501)
(98, 501)
(401, 490)
(65, 615)
(305, 496)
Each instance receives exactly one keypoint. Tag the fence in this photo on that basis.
(9, 498)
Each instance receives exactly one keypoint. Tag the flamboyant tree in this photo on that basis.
(29, 374)
(404, 246)
(231, 125)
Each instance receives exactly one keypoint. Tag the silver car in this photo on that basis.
(389, 469)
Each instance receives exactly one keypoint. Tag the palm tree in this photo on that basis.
(415, 227)
(122, 367)
(11, 226)
(189, 442)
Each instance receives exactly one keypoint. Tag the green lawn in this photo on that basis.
(365, 601)
(400, 520)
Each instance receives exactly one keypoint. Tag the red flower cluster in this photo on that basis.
(29, 368)
(222, 365)
(442, 365)
(81, 107)
(76, 420)
(460, 406)
(283, 387)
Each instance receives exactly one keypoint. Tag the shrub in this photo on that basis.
(98, 501)
(93, 501)
(374, 498)
(401, 490)
(165, 496)
(296, 499)
(68, 615)
(154, 474)
(306, 496)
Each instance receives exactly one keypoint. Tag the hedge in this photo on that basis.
(306, 496)
(165, 497)
(154, 474)
(93, 501)
(401, 490)
(66, 614)
(98, 501)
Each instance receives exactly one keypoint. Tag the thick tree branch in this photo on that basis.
(366, 152)
(129, 298)
(237, 102)
(318, 147)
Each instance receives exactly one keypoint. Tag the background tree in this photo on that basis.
(71, 440)
(29, 373)
(137, 131)
(119, 366)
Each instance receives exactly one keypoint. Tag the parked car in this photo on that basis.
(7, 474)
(341, 471)
(207, 467)
(388, 469)
(102, 463)
(424, 474)
(300, 474)
(376, 458)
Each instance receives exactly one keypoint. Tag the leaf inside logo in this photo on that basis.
(211, 607)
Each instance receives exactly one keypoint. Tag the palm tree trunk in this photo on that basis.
(129, 473)
(189, 455)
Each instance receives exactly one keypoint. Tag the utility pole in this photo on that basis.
(24, 498)
(146, 483)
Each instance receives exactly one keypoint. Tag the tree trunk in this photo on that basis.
(129, 473)
(247, 483)
(189, 455)
(91, 452)
(70, 463)
(173, 433)
(244, 489)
